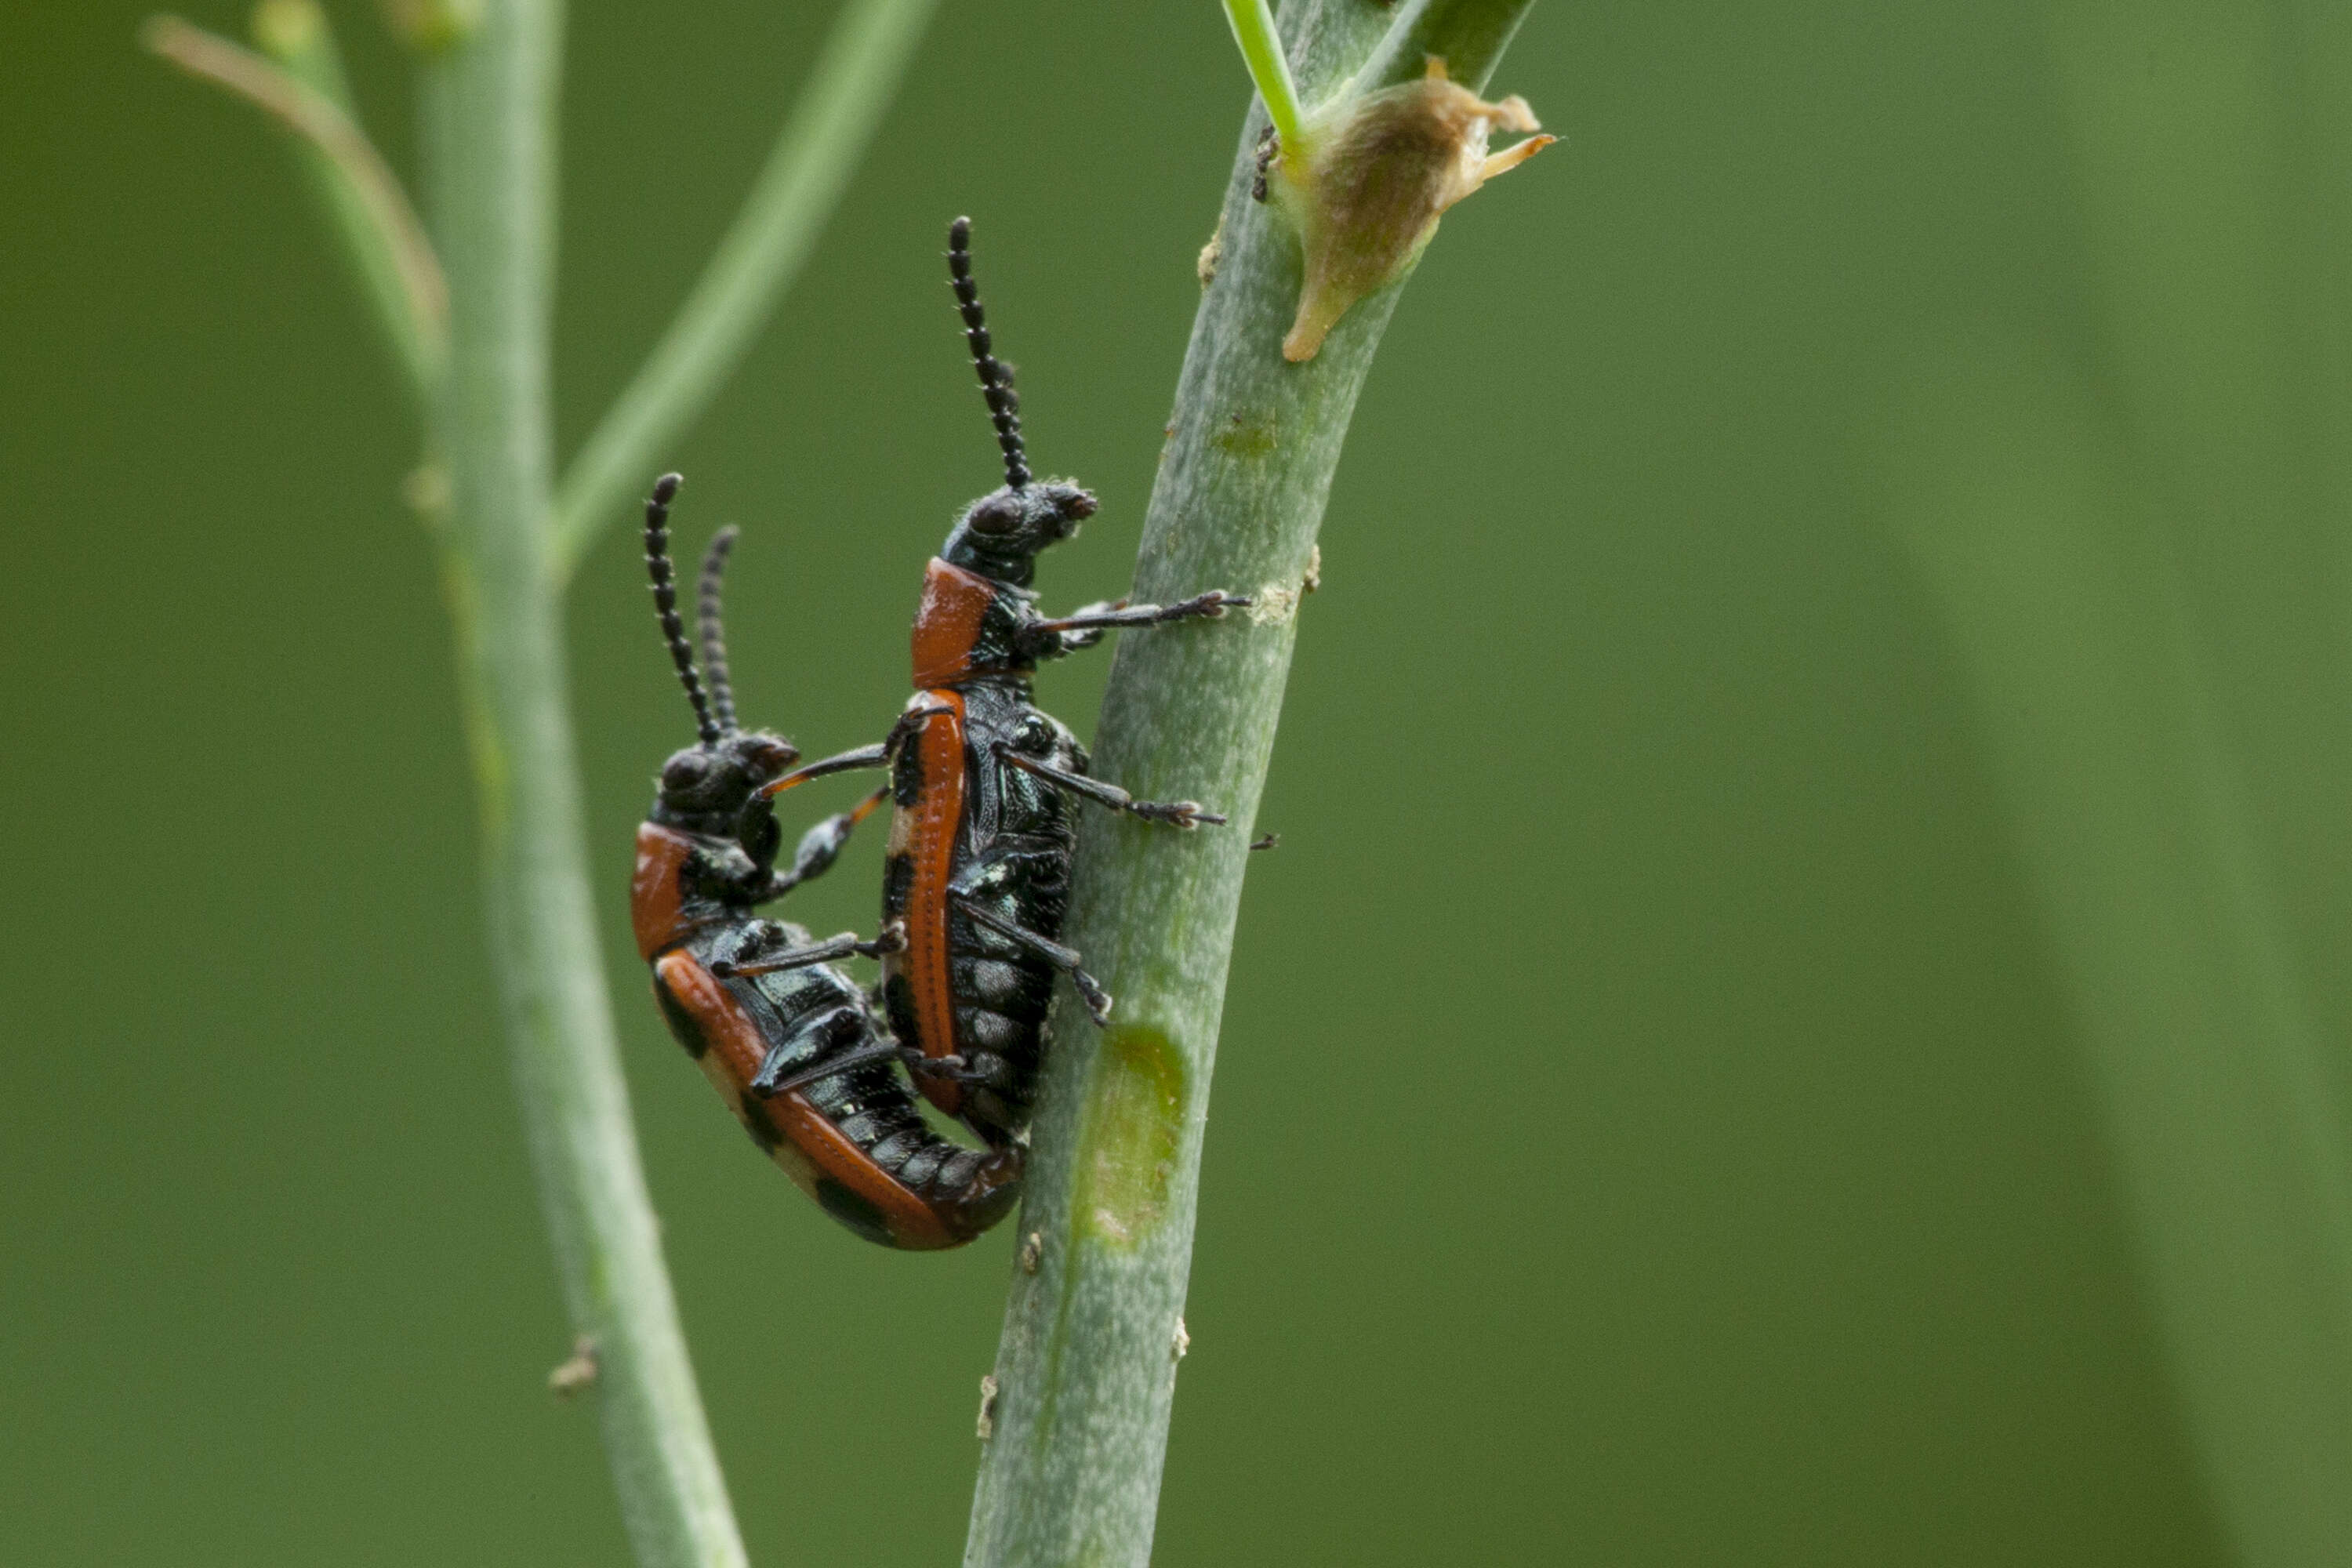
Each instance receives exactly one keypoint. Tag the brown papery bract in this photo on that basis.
(1377, 174)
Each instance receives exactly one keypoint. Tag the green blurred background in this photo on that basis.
(1681, 1097)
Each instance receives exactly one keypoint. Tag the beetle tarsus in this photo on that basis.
(1097, 1000)
(955, 1068)
(1176, 812)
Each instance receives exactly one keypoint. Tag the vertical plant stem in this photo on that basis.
(1085, 1370)
(489, 118)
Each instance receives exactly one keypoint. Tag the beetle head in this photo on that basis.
(705, 787)
(1001, 533)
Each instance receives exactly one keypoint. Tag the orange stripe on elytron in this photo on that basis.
(811, 1146)
(925, 834)
(653, 887)
(947, 621)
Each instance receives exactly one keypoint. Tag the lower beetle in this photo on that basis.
(792, 1044)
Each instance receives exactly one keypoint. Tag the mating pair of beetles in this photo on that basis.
(974, 885)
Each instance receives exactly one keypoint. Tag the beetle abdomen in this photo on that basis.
(853, 1141)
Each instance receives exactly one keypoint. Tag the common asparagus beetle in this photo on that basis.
(981, 838)
(792, 1044)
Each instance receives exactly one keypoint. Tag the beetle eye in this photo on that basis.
(684, 771)
(997, 515)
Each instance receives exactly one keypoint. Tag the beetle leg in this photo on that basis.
(831, 950)
(911, 721)
(1174, 813)
(1065, 959)
(1084, 627)
(878, 756)
(784, 1083)
(873, 756)
(957, 1067)
(1116, 612)
(892, 939)
(813, 857)
(820, 847)
(988, 870)
(1081, 628)
(802, 1057)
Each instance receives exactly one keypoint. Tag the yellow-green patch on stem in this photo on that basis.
(1127, 1147)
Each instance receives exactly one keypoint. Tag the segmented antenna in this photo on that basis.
(995, 375)
(712, 632)
(666, 602)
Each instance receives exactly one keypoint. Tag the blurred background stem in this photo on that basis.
(1086, 1370)
(489, 120)
(2098, 544)
(2135, 820)
(468, 313)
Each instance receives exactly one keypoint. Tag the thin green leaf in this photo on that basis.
(1269, 67)
(400, 273)
(852, 81)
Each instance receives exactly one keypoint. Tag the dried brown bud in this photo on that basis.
(1375, 175)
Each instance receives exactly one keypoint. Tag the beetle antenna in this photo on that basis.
(658, 566)
(712, 631)
(995, 375)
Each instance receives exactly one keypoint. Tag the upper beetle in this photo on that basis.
(978, 872)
